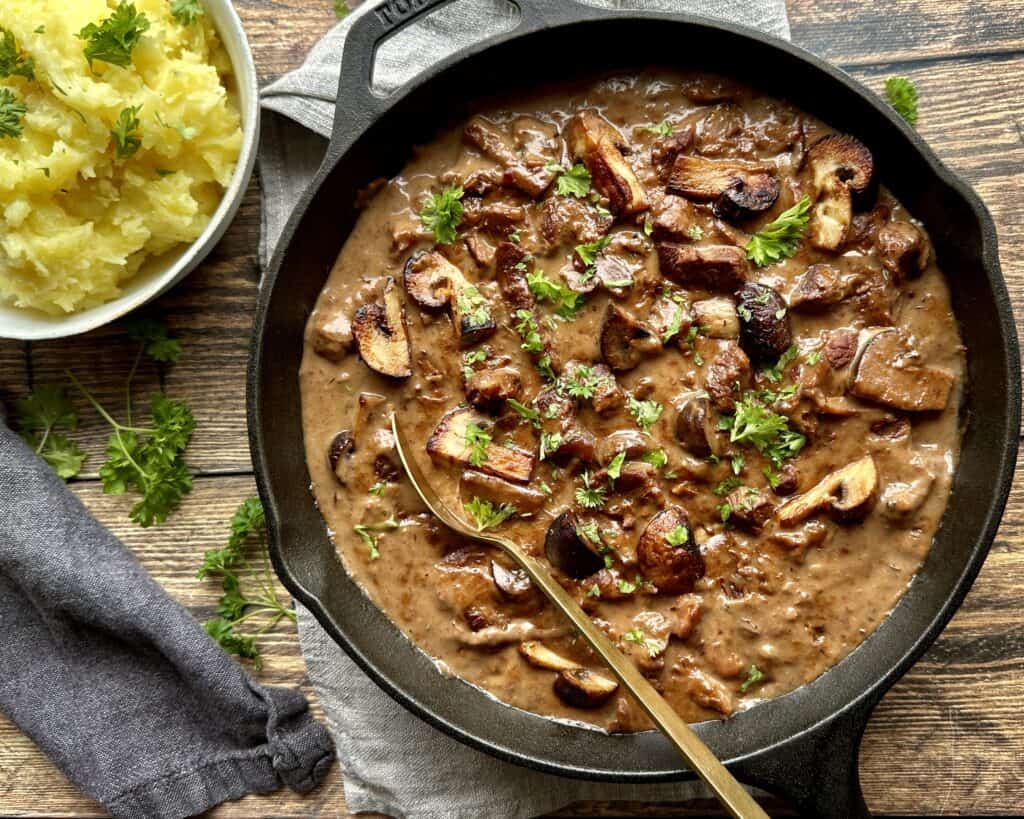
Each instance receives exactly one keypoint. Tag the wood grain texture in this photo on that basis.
(946, 740)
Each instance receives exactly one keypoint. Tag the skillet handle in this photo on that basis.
(358, 106)
(817, 771)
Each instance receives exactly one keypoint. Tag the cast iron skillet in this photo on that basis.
(803, 745)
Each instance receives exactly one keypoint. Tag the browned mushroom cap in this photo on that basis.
(672, 568)
(738, 189)
(430, 280)
(338, 453)
(581, 688)
(695, 425)
(717, 318)
(903, 249)
(847, 494)
(888, 373)
(747, 198)
(840, 165)
(449, 442)
(471, 315)
(630, 441)
(750, 508)
(499, 492)
(596, 142)
(624, 340)
(539, 655)
(765, 333)
(513, 584)
(382, 336)
(711, 267)
(568, 550)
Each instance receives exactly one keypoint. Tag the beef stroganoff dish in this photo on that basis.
(675, 338)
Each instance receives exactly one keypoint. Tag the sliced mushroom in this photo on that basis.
(903, 249)
(750, 508)
(673, 569)
(765, 332)
(498, 491)
(840, 166)
(717, 318)
(624, 340)
(488, 389)
(568, 550)
(338, 454)
(888, 374)
(513, 584)
(471, 315)
(382, 336)
(738, 189)
(582, 688)
(846, 494)
(711, 267)
(595, 141)
(448, 442)
(539, 655)
(431, 280)
(695, 425)
(632, 442)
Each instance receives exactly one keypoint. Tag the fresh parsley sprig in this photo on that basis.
(902, 96)
(113, 40)
(566, 302)
(574, 181)
(780, 238)
(126, 141)
(646, 413)
(38, 416)
(12, 112)
(477, 439)
(186, 12)
(443, 214)
(247, 593)
(13, 63)
(768, 432)
(486, 515)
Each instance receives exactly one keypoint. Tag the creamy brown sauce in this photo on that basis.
(790, 600)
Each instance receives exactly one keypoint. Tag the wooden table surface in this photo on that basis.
(948, 739)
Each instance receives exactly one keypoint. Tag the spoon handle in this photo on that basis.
(733, 796)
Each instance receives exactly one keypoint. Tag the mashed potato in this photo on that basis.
(76, 222)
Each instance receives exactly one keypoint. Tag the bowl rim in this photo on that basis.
(37, 326)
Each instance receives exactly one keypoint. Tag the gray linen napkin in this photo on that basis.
(115, 681)
(393, 762)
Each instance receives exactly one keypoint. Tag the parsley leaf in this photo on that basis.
(525, 412)
(529, 332)
(486, 515)
(646, 413)
(779, 239)
(13, 63)
(113, 40)
(788, 357)
(589, 531)
(549, 444)
(768, 432)
(574, 182)
(663, 128)
(186, 12)
(902, 96)
(126, 142)
(813, 357)
(656, 458)
(678, 536)
(37, 416)
(341, 9)
(590, 497)
(674, 325)
(695, 232)
(588, 253)
(626, 587)
(477, 439)
(153, 335)
(11, 114)
(366, 534)
(471, 358)
(637, 636)
(443, 213)
(582, 383)
(473, 306)
(754, 676)
(614, 469)
(726, 486)
(566, 302)
(594, 591)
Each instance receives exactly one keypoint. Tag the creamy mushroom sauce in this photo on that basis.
(790, 601)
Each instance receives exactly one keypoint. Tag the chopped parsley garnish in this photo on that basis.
(725, 512)
(674, 325)
(525, 412)
(646, 413)
(186, 12)
(529, 332)
(788, 357)
(726, 486)
(516, 235)
(663, 128)
(902, 96)
(184, 131)
(11, 114)
(486, 515)
(471, 358)
(656, 458)
(756, 425)
(574, 182)
(545, 368)
(588, 496)
(549, 444)
(341, 9)
(594, 591)
(477, 439)
(37, 418)
(590, 532)
(648, 227)
(473, 306)
(738, 462)
(113, 40)
(583, 383)
(637, 636)
(614, 469)
(754, 676)
(626, 587)
(588, 253)
(126, 141)
(780, 238)
(366, 534)
(566, 302)
(443, 214)
(771, 476)
(695, 232)
(13, 63)
(813, 357)
(378, 489)
(678, 536)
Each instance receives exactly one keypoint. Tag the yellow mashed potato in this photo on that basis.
(76, 222)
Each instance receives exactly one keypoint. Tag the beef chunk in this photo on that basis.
(820, 287)
(889, 373)
(665, 151)
(903, 249)
(840, 348)
(567, 220)
(332, 334)
(489, 389)
(672, 218)
(624, 340)
(727, 377)
(713, 267)
(511, 261)
(494, 143)
(496, 217)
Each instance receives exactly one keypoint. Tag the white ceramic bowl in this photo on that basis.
(160, 273)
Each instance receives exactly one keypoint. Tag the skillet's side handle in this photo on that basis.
(817, 771)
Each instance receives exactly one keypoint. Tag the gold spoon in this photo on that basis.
(698, 756)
